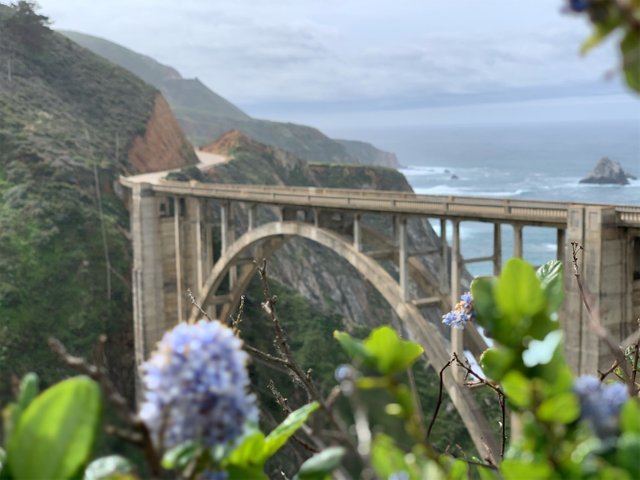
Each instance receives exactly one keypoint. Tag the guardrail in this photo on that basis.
(533, 212)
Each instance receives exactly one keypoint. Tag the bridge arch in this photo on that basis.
(271, 236)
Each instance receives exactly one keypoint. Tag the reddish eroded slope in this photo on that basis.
(163, 146)
(227, 142)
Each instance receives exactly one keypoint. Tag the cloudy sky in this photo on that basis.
(291, 58)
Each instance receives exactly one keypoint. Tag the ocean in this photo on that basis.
(522, 160)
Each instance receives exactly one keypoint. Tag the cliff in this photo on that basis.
(70, 124)
(374, 156)
(205, 115)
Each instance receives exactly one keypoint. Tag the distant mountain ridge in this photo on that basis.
(205, 115)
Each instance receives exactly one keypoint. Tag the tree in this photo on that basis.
(25, 25)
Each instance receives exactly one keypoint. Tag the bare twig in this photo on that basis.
(197, 305)
(596, 325)
(235, 322)
(439, 403)
(636, 356)
(608, 372)
(285, 358)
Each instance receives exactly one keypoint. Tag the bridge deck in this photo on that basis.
(531, 212)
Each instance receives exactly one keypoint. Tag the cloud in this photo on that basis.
(262, 51)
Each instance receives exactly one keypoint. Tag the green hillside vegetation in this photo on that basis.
(67, 120)
(205, 116)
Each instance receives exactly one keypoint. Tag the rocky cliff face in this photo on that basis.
(373, 156)
(162, 146)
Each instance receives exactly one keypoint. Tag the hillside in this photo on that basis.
(70, 124)
(205, 116)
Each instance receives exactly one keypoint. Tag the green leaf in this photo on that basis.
(487, 474)
(563, 408)
(111, 467)
(540, 352)
(279, 436)
(321, 464)
(628, 453)
(518, 292)
(249, 453)
(630, 47)
(353, 348)
(29, 387)
(55, 434)
(386, 458)
(551, 276)
(630, 416)
(27, 392)
(179, 456)
(390, 353)
(513, 469)
(244, 473)
(459, 471)
(517, 388)
(496, 362)
(601, 32)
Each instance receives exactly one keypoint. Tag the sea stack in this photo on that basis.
(608, 171)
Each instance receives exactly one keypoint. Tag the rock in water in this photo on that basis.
(608, 171)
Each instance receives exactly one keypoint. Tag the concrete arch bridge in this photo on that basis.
(173, 235)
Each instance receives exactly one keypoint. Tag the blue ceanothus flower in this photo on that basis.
(196, 386)
(461, 314)
(579, 6)
(600, 404)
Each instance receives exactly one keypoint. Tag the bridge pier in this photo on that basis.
(148, 289)
(606, 270)
(497, 248)
(517, 240)
(457, 335)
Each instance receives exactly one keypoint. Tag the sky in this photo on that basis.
(353, 61)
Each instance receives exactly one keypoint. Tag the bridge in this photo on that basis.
(174, 226)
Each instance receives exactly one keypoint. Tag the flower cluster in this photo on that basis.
(600, 404)
(461, 313)
(196, 386)
(579, 6)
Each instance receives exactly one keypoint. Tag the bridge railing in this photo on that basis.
(479, 208)
(629, 215)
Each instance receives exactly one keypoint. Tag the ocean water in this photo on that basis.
(522, 161)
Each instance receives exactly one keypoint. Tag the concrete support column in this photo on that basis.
(147, 281)
(252, 216)
(606, 269)
(517, 240)
(457, 345)
(224, 227)
(316, 218)
(402, 257)
(561, 242)
(497, 248)
(571, 317)
(178, 254)
(200, 251)
(357, 233)
(444, 254)
(226, 236)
